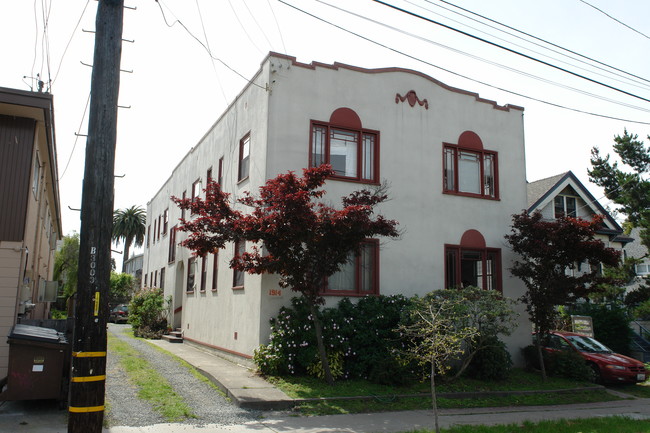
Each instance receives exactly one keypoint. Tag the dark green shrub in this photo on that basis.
(147, 312)
(611, 325)
(568, 364)
(363, 333)
(492, 362)
(562, 363)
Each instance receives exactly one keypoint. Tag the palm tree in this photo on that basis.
(129, 226)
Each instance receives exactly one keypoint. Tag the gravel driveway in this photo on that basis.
(126, 409)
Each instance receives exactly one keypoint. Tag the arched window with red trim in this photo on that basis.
(471, 263)
(470, 170)
(351, 150)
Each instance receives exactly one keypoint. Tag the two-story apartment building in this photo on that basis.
(30, 217)
(454, 163)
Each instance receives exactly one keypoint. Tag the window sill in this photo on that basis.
(189, 292)
(471, 195)
(240, 181)
(214, 290)
(354, 180)
(238, 288)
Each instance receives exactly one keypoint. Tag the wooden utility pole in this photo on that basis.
(88, 378)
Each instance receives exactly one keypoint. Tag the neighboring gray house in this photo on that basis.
(637, 250)
(564, 194)
(133, 266)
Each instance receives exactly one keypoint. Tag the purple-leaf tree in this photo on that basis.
(295, 234)
(550, 253)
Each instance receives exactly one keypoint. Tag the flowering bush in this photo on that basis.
(147, 312)
(363, 335)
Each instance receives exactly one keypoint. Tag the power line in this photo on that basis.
(202, 44)
(69, 41)
(456, 73)
(510, 50)
(83, 116)
(618, 21)
(608, 69)
(541, 40)
(493, 63)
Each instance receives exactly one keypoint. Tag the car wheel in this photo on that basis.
(594, 374)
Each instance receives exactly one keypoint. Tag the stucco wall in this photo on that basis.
(411, 143)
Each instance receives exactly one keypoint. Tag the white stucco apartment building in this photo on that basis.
(454, 163)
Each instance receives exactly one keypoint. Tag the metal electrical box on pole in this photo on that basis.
(88, 376)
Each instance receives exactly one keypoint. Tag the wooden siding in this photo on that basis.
(16, 149)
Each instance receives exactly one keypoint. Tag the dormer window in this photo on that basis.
(565, 206)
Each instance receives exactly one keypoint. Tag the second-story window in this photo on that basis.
(352, 151)
(244, 157)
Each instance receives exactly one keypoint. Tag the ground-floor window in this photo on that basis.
(472, 267)
(359, 276)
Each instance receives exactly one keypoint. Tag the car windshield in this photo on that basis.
(587, 344)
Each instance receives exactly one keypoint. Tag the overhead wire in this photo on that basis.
(46, 40)
(456, 73)
(482, 59)
(526, 56)
(69, 41)
(257, 24)
(541, 40)
(277, 24)
(203, 45)
(207, 42)
(547, 45)
(243, 27)
(615, 19)
(83, 116)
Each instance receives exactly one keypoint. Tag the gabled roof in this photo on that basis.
(543, 191)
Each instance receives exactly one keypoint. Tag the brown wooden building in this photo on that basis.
(30, 216)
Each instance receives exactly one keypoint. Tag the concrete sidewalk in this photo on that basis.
(406, 421)
(241, 385)
(248, 390)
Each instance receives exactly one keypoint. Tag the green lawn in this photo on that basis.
(590, 425)
(378, 398)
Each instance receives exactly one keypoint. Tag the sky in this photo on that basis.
(185, 61)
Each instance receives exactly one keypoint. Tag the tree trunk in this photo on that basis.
(540, 354)
(319, 342)
(127, 247)
(434, 401)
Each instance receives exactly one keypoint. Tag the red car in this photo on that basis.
(607, 366)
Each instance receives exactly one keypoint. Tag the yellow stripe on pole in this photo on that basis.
(88, 378)
(89, 354)
(85, 409)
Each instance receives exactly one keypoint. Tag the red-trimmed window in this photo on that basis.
(360, 275)
(171, 257)
(191, 274)
(204, 272)
(468, 169)
(351, 150)
(238, 276)
(162, 278)
(472, 264)
(244, 157)
(215, 270)
(220, 173)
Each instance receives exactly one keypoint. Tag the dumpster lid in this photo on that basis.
(36, 333)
